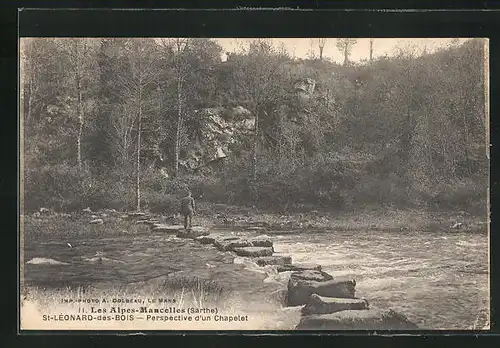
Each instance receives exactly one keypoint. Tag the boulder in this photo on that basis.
(327, 305)
(254, 251)
(230, 245)
(274, 260)
(300, 267)
(299, 290)
(372, 319)
(192, 233)
(166, 228)
(96, 222)
(45, 261)
(206, 239)
(311, 275)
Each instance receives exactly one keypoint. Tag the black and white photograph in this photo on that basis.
(188, 183)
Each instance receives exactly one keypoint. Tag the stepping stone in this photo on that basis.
(192, 233)
(167, 228)
(372, 319)
(254, 251)
(300, 267)
(327, 305)
(255, 228)
(96, 222)
(138, 214)
(261, 241)
(206, 239)
(231, 245)
(274, 260)
(311, 275)
(299, 290)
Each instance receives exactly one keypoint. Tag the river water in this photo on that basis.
(438, 280)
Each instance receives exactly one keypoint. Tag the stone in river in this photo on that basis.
(273, 260)
(192, 233)
(166, 228)
(230, 245)
(371, 319)
(261, 241)
(314, 275)
(300, 267)
(254, 251)
(206, 239)
(327, 305)
(96, 222)
(299, 290)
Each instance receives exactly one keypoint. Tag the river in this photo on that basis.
(438, 280)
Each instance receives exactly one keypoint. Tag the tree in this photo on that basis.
(261, 82)
(345, 47)
(321, 45)
(185, 61)
(136, 86)
(80, 56)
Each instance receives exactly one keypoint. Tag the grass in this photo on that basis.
(185, 294)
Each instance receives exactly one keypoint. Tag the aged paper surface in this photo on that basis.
(254, 184)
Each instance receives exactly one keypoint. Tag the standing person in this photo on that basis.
(188, 209)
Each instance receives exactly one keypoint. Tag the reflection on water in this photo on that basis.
(440, 281)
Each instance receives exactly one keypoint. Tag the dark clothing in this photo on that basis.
(187, 210)
(187, 221)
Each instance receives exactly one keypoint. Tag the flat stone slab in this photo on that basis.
(311, 275)
(255, 228)
(299, 267)
(261, 241)
(137, 214)
(327, 305)
(254, 251)
(192, 233)
(206, 239)
(299, 290)
(167, 228)
(231, 245)
(274, 260)
(371, 319)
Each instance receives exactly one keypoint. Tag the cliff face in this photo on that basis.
(219, 132)
(223, 131)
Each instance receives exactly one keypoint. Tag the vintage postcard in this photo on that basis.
(254, 184)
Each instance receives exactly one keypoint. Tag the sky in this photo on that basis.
(300, 47)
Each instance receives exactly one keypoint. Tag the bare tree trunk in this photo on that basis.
(255, 196)
(321, 52)
(138, 157)
(80, 120)
(179, 124)
(346, 55)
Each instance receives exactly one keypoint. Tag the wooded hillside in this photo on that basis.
(129, 123)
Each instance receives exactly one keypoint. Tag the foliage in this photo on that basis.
(408, 130)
